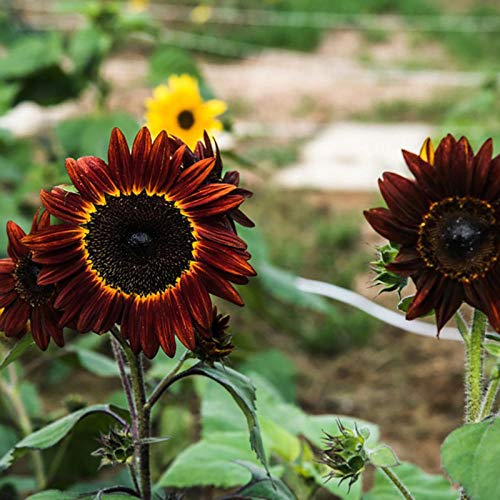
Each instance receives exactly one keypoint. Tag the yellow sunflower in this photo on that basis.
(179, 109)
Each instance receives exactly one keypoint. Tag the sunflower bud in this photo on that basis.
(117, 447)
(215, 344)
(345, 454)
(389, 280)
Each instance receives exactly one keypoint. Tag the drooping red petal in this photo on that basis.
(449, 302)
(429, 288)
(216, 285)
(40, 334)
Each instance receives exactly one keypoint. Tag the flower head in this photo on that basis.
(179, 108)
(25, 304)
(446, 223)
(142, 243)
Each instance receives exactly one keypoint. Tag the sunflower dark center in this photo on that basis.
(185, 119)
(140, 244)
(26, 274)
(460, 238)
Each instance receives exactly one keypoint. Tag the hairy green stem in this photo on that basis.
(21, 418)
(405, 493)
(489, 398)
(160, 388)
(142, 416)
(474, 368)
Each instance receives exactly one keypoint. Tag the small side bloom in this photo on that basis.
(25, 304)
(179, 108)
(446, 223)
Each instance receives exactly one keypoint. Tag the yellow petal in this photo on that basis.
(427, 151)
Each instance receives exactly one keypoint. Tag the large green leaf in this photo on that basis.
(50, 435)
(421, 485)
(211, 462)
(19, 348)
(30, 54)
(470, 455)
(89, 135)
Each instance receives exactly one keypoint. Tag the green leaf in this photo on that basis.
(7, 94)
(210, 462)
(470, 455)
(87, 47)
(493, 349)
(22, 484)
(20, 347)
(53, 495)
(95, 363)
(30, 54)
(8, 439)
(243, 392)
(383, 456)
(263, 487)
(50, 435)
(404, 303)
(423, 486)
(89, 135)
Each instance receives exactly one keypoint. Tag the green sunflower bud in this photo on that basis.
(345, 454)
(117, 447)
(389, 280)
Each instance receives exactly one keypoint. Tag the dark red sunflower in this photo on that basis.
(142, 244)
(447, 223)
(23, 300)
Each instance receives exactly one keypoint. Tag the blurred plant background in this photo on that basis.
(311, 87)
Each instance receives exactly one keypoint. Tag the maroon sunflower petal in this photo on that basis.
(429, 288)
(69, 207)
(407, 262)
(405, 200)
(449, 303)
(15, 248)
(119, 161)
(389, 227)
